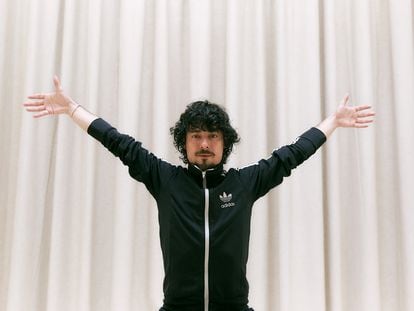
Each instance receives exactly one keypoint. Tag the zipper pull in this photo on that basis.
(204, 180)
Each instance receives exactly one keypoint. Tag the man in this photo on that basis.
(204, 211)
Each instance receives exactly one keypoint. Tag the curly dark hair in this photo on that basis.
(205, 116)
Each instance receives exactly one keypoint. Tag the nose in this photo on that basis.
(204, 144)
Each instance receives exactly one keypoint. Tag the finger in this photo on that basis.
(41, 114)
(57, 84)
(361, 126)
(365, 114)
(35, 109)
(33, 104)
(364, 121)
(37, 96)
(362, 107)
(345, 101)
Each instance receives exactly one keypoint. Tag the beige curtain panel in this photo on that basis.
(77, 233)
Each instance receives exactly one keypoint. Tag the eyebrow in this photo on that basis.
(198, 131)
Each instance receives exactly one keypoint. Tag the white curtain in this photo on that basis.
(77, 233)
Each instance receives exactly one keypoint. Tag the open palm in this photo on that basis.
(353, 116)
(49, 103)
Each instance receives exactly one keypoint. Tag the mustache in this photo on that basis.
(204, 152)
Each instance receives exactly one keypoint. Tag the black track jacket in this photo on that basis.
(204, 217)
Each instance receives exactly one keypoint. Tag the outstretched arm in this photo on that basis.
(347, 116)
(58, 102)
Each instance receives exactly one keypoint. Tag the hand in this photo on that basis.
(51, 103)
(353, 116)
(347, 116)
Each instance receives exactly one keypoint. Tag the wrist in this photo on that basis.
(333, 120)
(72, 108)
(328, 125)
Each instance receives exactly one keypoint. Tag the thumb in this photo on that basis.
(57, 84)
(345, 101)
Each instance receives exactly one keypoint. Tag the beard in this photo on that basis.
(205, 159)
(205, 165)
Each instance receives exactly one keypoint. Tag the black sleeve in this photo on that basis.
(268, 173)
(143, 165)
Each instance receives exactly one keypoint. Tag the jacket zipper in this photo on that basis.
(206, 241)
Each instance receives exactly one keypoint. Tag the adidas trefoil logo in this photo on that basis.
(226, 198)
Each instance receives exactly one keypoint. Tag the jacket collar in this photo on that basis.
(214, 175)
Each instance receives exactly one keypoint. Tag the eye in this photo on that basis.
(214, 136)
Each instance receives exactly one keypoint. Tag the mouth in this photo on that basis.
(204, 154)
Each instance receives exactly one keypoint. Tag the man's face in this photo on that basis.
(204, 149)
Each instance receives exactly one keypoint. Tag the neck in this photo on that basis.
(214, 175)
(207, 168)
